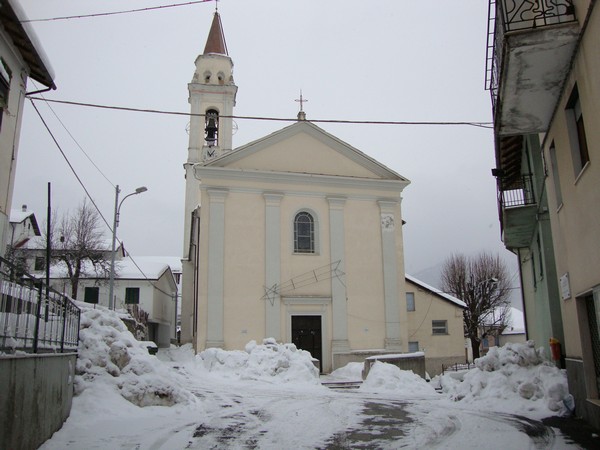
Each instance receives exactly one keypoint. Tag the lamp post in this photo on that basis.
(111, 300)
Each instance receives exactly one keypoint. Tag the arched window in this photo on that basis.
(304, 233)
(211, 130)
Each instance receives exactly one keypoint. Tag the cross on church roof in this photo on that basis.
(301, 100)
(301, 113)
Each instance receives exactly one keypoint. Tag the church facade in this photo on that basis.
(295, 236)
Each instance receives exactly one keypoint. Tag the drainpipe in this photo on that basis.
(522, 294)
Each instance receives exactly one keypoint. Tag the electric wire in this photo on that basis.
(79, 180)
(488, 125)
(114, 13)
(90, 196)
(75, 140)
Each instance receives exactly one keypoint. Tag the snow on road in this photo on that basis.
(269, 397)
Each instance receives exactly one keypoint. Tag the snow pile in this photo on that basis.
(516, 378)
(270, 362)
(110, 355)
(350, 372)
(387, 377)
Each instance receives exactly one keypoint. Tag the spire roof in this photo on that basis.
(216, 39)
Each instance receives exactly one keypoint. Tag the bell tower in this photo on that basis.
(212, 98)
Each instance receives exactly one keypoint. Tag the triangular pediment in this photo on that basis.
(305, 148)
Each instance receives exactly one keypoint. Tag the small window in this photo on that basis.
(413, 346)
(132, 296)
(576, 127)
(410, 301)
(40, 263)
(439, 327)
(304, 233)
(91, 294)
(485, 342)
(5, 77)
(555, 176)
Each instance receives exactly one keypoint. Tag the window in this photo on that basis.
(40, 263)
(5, 77)
(413, 346)
(410, 301)
(576, 127)
(304, 233)
(439, 327)
(555, 176)
(132, 295)
(91, 294)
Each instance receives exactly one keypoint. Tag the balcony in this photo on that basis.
(518, 211)
(529, 50)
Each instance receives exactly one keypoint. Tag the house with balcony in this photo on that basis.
(543, 72)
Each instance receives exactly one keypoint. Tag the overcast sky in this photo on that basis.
(383, 60)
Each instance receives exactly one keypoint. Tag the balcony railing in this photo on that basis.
(34, 319)
(513, 15)
(517, 193)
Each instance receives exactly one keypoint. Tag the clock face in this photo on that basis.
(210, 152)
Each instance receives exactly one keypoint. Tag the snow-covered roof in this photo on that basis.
(18, 215)
(26, 41)
(516, 322)
(436, 291)
(126, 269)
(129, 268)
(174, 262)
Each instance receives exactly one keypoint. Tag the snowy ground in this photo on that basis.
(270, 397)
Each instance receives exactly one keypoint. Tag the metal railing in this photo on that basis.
(513, 15)
(517, 193)
(33, 317)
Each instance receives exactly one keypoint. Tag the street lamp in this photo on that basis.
(111, 300)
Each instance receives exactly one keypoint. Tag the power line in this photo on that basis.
(76, 142)
(488, 125)
(113, 13)
(70, 165)
(90, 197)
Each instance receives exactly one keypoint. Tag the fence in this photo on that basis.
(33, 317)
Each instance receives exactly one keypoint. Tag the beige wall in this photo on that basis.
(244, 259)
(576, 224)
(443, 349)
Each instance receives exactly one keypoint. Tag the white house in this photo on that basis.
(23, 226)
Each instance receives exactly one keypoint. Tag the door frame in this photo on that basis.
(311, 306)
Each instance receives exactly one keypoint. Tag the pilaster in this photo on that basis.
(339, 301)
(216, 267)
(393, 340)
(272, 264)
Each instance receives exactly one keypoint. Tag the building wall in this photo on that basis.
(576, 221)
(245, 308)
(9, 130)
(439, 349)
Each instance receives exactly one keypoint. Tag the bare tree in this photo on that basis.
(483, 283)
(78, 243)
